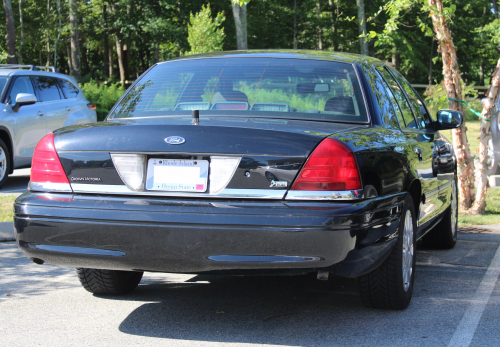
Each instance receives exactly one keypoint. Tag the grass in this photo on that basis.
(472, 135)
(492, 215)
(6, 208)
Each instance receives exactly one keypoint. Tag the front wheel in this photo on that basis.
(390, 286)
(108, 282)
(4, 163)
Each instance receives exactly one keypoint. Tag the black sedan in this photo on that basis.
(245, 163)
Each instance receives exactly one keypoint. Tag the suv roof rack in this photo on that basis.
(29, 67)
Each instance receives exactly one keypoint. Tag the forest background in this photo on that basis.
(138, 33)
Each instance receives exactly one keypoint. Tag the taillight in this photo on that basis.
(331, 167)
(46, 166)
(92, 106)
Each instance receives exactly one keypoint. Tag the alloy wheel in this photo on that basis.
(407, 250)
(3, 163)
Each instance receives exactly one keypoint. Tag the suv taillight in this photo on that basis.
(331, 167)
(46, 166)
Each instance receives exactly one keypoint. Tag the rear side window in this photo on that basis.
(21, 85)
(400, 98)
(246, 87)
(69, 89)
(48, 88)
(414, 99)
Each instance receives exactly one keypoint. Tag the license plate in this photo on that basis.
(177, 175)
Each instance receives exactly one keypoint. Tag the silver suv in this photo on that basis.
(35, 103)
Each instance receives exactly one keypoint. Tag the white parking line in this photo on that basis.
(465, 331)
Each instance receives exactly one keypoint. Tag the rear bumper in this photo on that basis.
(206, 235)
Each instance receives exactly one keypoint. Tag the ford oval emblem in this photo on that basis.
(175, 140)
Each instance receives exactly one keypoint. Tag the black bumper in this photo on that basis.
(206, 235)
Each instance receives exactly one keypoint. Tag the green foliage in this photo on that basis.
(204, 34)
(436, 99)
(104, 96)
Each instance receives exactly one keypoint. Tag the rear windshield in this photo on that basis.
(247, 87)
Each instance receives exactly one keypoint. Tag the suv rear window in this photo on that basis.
(247, 87)
(69, 89)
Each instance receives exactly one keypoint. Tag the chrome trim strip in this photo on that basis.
(49, 187)
(262, 258)
(320, 195)
(225, 193)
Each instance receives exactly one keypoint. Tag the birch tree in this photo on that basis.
(485, 134)
(453, 86)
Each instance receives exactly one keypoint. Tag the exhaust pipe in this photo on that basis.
(323, 275)
(37, 261)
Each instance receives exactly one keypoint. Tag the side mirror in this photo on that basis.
(449, 119)
(23, 99)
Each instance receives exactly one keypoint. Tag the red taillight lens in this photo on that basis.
(330, 167)
(92, 106)
(46, 166)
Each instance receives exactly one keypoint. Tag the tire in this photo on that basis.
(390, 286)
(108, 282)
(493, 167)
(4, 163)
(444, 235)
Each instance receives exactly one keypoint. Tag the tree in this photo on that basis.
(485, 134)
(240, 21)
(453, 86)
(75, 42)
(204, 35)
(362, 26)
(11, 32)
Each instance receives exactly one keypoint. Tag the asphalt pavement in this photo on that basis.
(456, 302)
(17, 182)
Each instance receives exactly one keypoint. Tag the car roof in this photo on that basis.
(19, 72)
(284, 53)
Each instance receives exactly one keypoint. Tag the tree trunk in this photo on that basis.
(48, 35)
(111, 62)
(362, 26)
(75, 46)
(119, 54)
(126, 60)
(320, 31)
(495, 8)
(485, 135)
(68, 52)
(395, 58)
(58, 33)
(11, 32)
(453, 86)
(21, 22)
(481, 73)
(430, 61)
(157, 53)
(294, 24)
(240, 22)
(105, 39)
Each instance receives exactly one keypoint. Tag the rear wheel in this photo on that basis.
(108, 282)
(493, 168)
(390, 286)
(444, 235)
(4, 163)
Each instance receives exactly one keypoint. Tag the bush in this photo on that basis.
(435, 97)
(104, 96)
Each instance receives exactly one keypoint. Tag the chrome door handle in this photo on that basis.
(40, 113)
